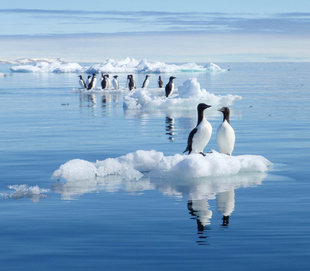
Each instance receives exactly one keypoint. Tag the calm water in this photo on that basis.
(44, 124)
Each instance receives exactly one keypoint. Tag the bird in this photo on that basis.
(115, 82)
(225, 136)
(170, 86)
(160, 82)
(82, 82)
(146, 81)
(109, 84)
(92, 83)
(103, 82)
(88, 80)
(131, 83)
(200, 135)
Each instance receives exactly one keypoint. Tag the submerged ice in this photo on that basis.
(34, 193)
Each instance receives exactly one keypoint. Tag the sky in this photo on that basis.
(172, 31)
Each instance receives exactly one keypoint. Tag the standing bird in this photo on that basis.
(115, 82)
(200, 135)
(103, 81)
(170, 86)
(88, 80)
(160, 82)
(131, 83)
(225, 137)
(82, 82)
(109, 84)
(92, 83)
(146, 81)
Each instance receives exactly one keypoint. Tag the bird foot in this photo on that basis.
(202, 154)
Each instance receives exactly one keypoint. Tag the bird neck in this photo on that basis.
(200, 117)
(226, 117)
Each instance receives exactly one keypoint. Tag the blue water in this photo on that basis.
(44, 124)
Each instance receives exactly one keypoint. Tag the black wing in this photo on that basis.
(190, 141)
(168, 89)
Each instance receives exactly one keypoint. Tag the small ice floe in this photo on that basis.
(34, 193)
(175, 175)
(185, 97)
(213, 68)
(135, 165)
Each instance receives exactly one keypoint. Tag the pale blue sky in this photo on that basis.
(256, 30)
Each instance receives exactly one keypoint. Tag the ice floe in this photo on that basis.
(34, 193)
(186, 97)
(148, 170)
(127, 65)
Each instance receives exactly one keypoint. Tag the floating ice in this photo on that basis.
(213, 68)
(135, 165)
(47, 66)
(193, 175)
(35, 193)
(186, 97)
(127, 65)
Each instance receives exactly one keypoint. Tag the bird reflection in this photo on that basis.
(90, 99)
(225, 202)
(170, 128)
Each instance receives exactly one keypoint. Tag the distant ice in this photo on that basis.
(185, 97)
(35, 193)
(127, 65)
(46, 67)
(144, 170)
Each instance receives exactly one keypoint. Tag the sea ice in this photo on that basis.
(185, 97)
(177, 175)
(35, 193)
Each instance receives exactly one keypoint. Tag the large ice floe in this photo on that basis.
(173, 175)
(127, 65)
(185, 97)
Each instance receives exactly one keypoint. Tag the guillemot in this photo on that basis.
(225, 136)
(82, 82)
(146, 81)
(200, 135)
(170, 86)
(92, 83)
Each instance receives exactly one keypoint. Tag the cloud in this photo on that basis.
(79, 21)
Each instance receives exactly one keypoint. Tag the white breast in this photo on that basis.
(202, 136)
(94, 83)
(225, 138)
(115, 83)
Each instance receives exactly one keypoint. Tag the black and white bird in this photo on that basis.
(131, 83)
(201, 134)
(92, 83)
(170, 86)
(225, 136)
(103, 81)
(146, 81)
(88, 80)
(160, 82)
(109, 84)
(82, 82)
(115, 82)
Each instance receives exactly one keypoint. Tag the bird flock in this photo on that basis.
(106, 83)
(200, 136)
